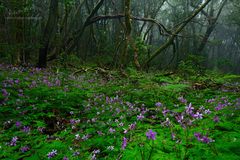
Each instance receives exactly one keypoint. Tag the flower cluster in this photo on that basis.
(151, 135)
(52, 154)
(203, 138)
(14, 141)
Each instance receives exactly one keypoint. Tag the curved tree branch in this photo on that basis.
(178, 30)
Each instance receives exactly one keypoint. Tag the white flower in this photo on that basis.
(77, 137)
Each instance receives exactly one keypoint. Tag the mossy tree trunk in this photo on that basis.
(128, 40)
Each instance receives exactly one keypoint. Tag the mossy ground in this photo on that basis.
(77, 115)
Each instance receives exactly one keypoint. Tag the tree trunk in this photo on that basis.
(212, 21)
(129, 40)
(48, 31)
(73, 41)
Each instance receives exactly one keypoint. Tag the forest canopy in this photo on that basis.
(142, 33)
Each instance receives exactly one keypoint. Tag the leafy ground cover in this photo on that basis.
(50, 114)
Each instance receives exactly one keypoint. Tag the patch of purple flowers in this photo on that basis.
(151, 135)
(203, 138)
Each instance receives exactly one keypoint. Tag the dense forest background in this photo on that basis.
(120, 79)
(159, 34)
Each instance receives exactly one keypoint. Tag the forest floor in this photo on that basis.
(101, 114)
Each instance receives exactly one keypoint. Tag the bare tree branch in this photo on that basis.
(178, 30)
(162, 28)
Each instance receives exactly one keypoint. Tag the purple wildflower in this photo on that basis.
(18, 124)
(111, 130)
(5, 93)
(132, 126)
(205, 139)
(179, 118)
(33, 84)
(164, 112)
(93, 157)
(26, 129)
(202, 138)
(72, 121)
(14, 141)
(140, 117)
(52, 154)
(219, 107)
(216, 119)
(85, 137)
(58, 82)
(182, 100)
(151, 135)
(210, 100)
(167, 122)
(197, 115)
(124, 143)
(24, 149)
(65, 158)
(189, 109)
(99, 133)
(125, 131)
(198, 136)
(96, 151)
(158, 104)
(118, 110)
(17, 81)
(173, 136)
(207, 111)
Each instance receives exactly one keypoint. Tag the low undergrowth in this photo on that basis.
(49, 114)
